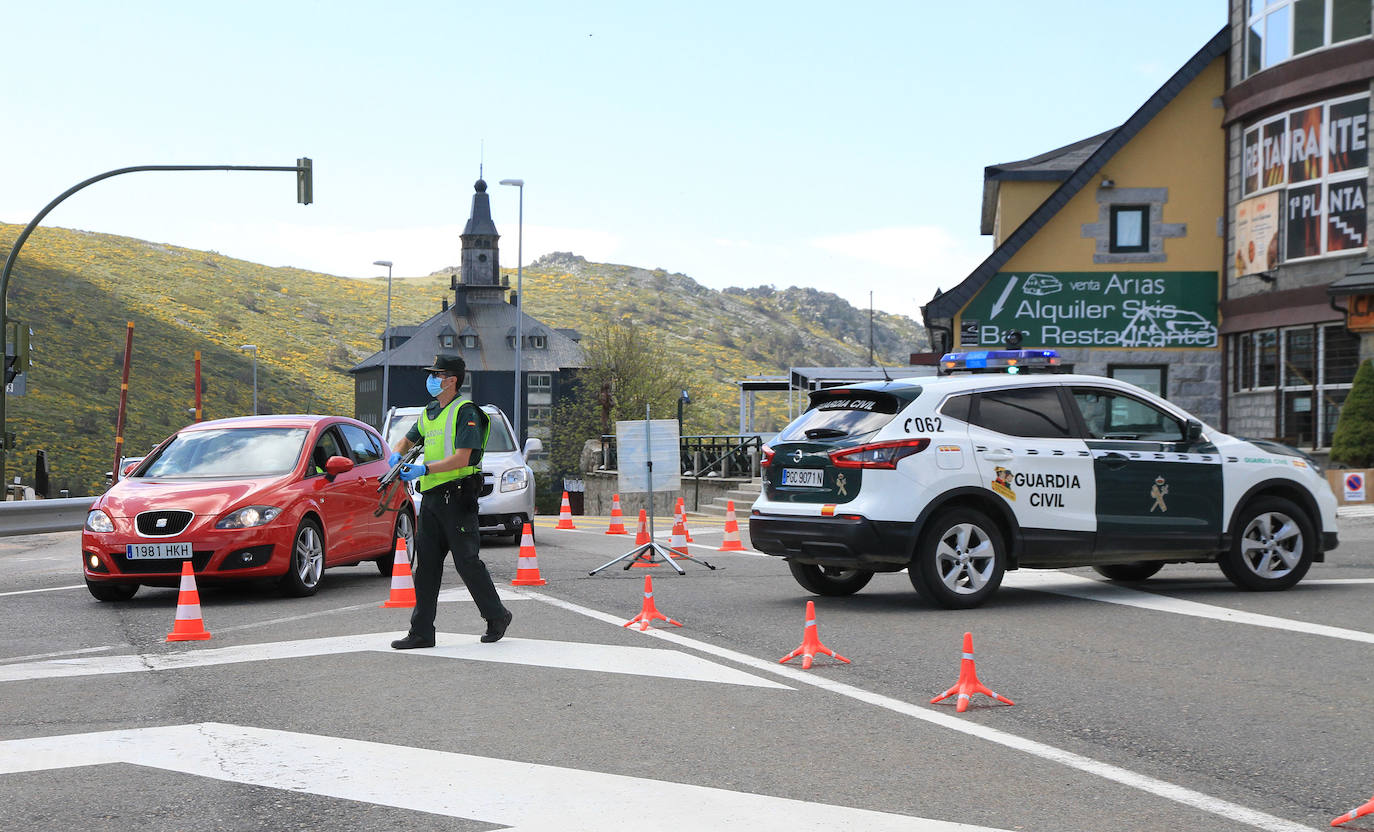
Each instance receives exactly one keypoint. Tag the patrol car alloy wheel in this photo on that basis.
(960, 559)
(1272, 546)
(302, 576)
(829, 580)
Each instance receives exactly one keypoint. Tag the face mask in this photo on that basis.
(434, 385)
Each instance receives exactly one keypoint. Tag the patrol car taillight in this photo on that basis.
(767, 456)
(879, 454)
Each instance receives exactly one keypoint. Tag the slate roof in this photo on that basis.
(1054, 166)
(490, 322)
(949, 303)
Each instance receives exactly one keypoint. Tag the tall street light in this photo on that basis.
(519, 300)
(253, 348)
(386, 344)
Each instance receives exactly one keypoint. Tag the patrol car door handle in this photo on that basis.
(1114, 461)
(999, 455)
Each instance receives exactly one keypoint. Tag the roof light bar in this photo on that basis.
(1011, 361)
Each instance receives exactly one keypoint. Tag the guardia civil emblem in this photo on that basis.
(1158, 490)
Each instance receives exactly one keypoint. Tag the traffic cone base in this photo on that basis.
(617, 518)
(811, 642)
(527, 566)
(968, 683)
(565, 514)
(732, 542)
(1357, 812)
(402, 581)
(188, 625)
(649, 613)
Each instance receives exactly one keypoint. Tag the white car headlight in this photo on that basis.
(515, 479)
(99, 521)
(247, 518)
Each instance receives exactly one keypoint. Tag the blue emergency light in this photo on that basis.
(1011, 361)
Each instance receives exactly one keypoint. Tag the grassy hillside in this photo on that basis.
(77, 289)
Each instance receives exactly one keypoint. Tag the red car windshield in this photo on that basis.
(227, 454)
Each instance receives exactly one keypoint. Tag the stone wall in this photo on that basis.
(600, 485)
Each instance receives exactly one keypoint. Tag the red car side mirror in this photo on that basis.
(337, 465)
(127, 468)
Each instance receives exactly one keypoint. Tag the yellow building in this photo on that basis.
(1110, 249)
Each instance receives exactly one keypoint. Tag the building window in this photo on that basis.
(539, 414)
(470, 342)
(1317, 159)
(539, 381)
(1309, 367)
(446, 342)
(538, 342)
(1283, 29)
(1129, 231)
(1152, 378)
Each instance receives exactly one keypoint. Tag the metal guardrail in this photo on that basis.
(42, 516)
(729, 455)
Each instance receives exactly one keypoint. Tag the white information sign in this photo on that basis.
(635, 447)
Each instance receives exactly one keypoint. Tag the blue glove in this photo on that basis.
(412, 471)
(394, 458)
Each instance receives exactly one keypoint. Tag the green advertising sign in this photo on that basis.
(1095, 309)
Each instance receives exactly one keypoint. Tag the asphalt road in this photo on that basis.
(1179, 703)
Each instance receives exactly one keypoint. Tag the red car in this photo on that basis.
(256, 497)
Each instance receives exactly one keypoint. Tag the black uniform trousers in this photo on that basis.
(446, 526)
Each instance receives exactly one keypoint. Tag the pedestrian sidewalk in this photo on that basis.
(1355, 511)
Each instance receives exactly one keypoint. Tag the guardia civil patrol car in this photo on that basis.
(957, 478)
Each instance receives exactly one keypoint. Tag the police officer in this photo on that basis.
(454, 433)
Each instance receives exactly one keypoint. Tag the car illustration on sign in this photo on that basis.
(1041, 284)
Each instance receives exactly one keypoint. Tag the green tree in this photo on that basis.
(1353, 443)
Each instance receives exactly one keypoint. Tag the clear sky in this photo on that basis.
(839, 146)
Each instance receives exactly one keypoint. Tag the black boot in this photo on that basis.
(496, 628)
(410, 642)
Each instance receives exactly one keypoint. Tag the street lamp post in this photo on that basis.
(386, 344)
(253, 348)
(519, 300)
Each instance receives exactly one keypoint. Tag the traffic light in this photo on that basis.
(305, 181)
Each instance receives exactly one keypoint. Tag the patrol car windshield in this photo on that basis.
(840, 413)
(228, 454)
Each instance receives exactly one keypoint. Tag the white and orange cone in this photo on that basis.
(188, 625)
(681, 515)
(617, 518)
(811, 642)
(402, 582)
(1357, 812)
(968, 683)
(642, 536)
(565, 514)
(678, 541)
(527, 567)
(649, 613)
(732, 542)
(646, 558)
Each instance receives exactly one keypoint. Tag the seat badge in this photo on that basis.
(161, 523)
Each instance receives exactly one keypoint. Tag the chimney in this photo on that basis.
(444, 307)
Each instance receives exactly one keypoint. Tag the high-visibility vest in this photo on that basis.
(438, 435)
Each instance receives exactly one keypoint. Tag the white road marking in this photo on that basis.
(1075, 586)
(636, 661)
(1107, 771)
(45, 589)
(523, 797)
(54, 655)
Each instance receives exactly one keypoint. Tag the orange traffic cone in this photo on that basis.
(565, 514)
(678, 542)
(968, 683)
(527, 567)
(732, 542)
(188, 625)
(682, 518)
(642, 536)
(1357, 812)
(811, 642)
(402, 582)
(617, 519)
(649, 613)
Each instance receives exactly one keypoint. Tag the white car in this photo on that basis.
(958, 478)
(506, 503)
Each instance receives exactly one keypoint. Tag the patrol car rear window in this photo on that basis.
(842, 413)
